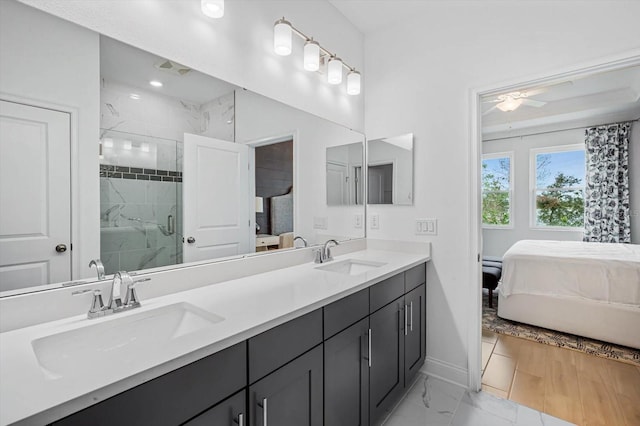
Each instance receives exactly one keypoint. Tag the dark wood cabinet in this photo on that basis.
(346, 377)
(291, 395)
(387, 359)
(230, 412)
(415, 334)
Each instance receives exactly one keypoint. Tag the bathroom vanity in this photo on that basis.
(336, 343)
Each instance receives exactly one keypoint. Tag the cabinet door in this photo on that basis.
(387, 359)
(415, 334)
(346, 377)
(230, 412)
(291, 395)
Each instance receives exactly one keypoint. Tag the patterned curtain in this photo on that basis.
(606, 204)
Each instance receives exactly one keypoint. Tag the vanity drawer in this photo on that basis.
(173, 398)
(344, 312)
(415, 276)
(276, 347)
(386, 292)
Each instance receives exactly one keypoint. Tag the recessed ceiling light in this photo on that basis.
(155, 83)
(134, 96)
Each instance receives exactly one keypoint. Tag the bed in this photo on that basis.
(584, 288)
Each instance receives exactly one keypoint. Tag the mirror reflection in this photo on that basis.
(390, 170)
(344, 174)
(189, 167)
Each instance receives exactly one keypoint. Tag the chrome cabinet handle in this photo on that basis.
(369, 348)
(411, 324)
(264, 411)
(406, 312)
(240, 420)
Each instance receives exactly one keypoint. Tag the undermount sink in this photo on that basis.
(351, 266)
(119, 341)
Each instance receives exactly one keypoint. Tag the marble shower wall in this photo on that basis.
(141, 172)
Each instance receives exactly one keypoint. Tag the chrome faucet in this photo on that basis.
(324, 254)
(99, 268)
(301, 239)
(131, 301)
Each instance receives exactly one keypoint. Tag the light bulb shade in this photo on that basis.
(311, 56)
(212, 8)
(353, 83)
(509, 104)
(282, 37)
(334, 71)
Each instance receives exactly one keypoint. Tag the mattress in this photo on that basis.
(604, 272)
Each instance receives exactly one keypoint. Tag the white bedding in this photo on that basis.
(598, 271)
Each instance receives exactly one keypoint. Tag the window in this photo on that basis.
(497, 178)
(557, 176)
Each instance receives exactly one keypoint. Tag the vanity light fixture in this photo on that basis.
(314, 55)
(156, 83)
(212, 8)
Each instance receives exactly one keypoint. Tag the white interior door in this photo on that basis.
(35, 203)
(216, 202)
(337, 184)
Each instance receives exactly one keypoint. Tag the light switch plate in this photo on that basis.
(357, 221)
(426, 226)
(375, 221)
(320, 222)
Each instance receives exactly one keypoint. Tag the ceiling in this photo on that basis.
(585, 101)
(133, 67)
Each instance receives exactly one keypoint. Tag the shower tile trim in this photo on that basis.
(137, 173)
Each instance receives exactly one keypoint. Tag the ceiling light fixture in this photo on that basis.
(509, 104)
(127, 145)
(134, 96)
(213, 8)
(156, 83)
(314, 55)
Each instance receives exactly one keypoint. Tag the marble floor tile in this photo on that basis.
(431, 401)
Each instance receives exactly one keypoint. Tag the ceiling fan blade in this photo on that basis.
(532, 102)
(490, 109)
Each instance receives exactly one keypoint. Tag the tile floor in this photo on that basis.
(432, 401)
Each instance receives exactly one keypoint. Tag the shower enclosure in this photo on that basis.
(140, 201)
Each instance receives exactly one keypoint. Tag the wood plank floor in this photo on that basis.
(577, 387)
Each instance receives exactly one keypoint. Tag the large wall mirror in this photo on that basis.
(390, 170)
(190, 167)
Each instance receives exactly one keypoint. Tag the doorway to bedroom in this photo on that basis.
(274, 195)
(531, 187)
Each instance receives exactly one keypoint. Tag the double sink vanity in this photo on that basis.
(331, 343)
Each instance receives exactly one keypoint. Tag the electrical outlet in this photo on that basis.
(375, 221)
(357, 221)
(426, 226)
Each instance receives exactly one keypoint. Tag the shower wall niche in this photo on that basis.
(141, 145)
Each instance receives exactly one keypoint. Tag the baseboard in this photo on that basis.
(446, 371)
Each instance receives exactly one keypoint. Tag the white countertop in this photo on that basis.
(249, 306)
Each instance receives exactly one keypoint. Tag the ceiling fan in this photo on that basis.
(511, 101)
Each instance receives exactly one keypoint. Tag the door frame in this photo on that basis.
(76, 257)
(270, 140)
(474, 306)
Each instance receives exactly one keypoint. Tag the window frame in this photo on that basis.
(493, 156)
(533, 188)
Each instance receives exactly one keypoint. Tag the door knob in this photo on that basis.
(191, 240)
(61, 248)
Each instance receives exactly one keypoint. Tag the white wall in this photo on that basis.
(419, 78)
(237, 48)
(259, 118)
(46, 60)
